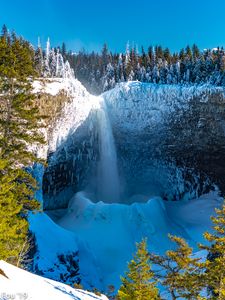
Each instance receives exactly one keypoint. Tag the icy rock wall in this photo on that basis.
(169, 141)
(169, 138)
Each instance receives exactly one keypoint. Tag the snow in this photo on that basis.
(21, 284)
(54, 86)
(55, 242)
(52, 240)
(135, 106)
(193, 215)
(74, 113)
(110, 231)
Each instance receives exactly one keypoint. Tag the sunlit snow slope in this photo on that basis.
(19, 284)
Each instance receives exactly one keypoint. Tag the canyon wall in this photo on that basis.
(169, 140)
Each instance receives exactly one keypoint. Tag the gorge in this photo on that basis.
(141, 160)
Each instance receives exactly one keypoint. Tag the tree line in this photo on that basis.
(101, 71)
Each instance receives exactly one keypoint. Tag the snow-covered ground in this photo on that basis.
(105, 234)
(111, 230)
(19, 284)
(136, 105)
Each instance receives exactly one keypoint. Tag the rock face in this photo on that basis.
(170, 142)
(172, 136)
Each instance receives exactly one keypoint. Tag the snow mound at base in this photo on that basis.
(110, 231)
(20, 284)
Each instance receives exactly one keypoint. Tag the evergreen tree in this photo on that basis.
(188, 52)
(5, 33)
(46, 69)
(180, 272)
(127, 63)
(19, 124)
(138, 284)
(151, 55)
(53, 62)
(215, 264)
(38, 60)
(167, 55)
(158, 52)
(186, 276)
(195, 51)
(14, 227)
(105, 56)
(63, 50)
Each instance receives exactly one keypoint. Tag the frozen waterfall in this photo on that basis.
(108, 186)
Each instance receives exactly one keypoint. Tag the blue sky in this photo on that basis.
(86, 23)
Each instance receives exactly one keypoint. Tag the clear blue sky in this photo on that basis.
(87, 23)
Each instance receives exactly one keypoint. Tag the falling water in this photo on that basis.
(108, 176)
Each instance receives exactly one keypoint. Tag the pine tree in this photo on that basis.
(158, 52)
(63, 50)
(167, 55)
(105, 56)
(5, 33)
(19, 124)
(14, 228)
(38, 60)
(215, 264)
(188, 52)
(151, 55)
(195, 51)
(19, 114)
(46, 67)
(52, 62)
(180, 272)
(127, 63)
(138, 284)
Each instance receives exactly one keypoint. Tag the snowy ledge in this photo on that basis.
(16, 284)
(54, 86)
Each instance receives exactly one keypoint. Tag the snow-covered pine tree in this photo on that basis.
(46, 68)
(38, 59)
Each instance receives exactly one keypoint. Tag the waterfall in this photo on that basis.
(108, 176)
